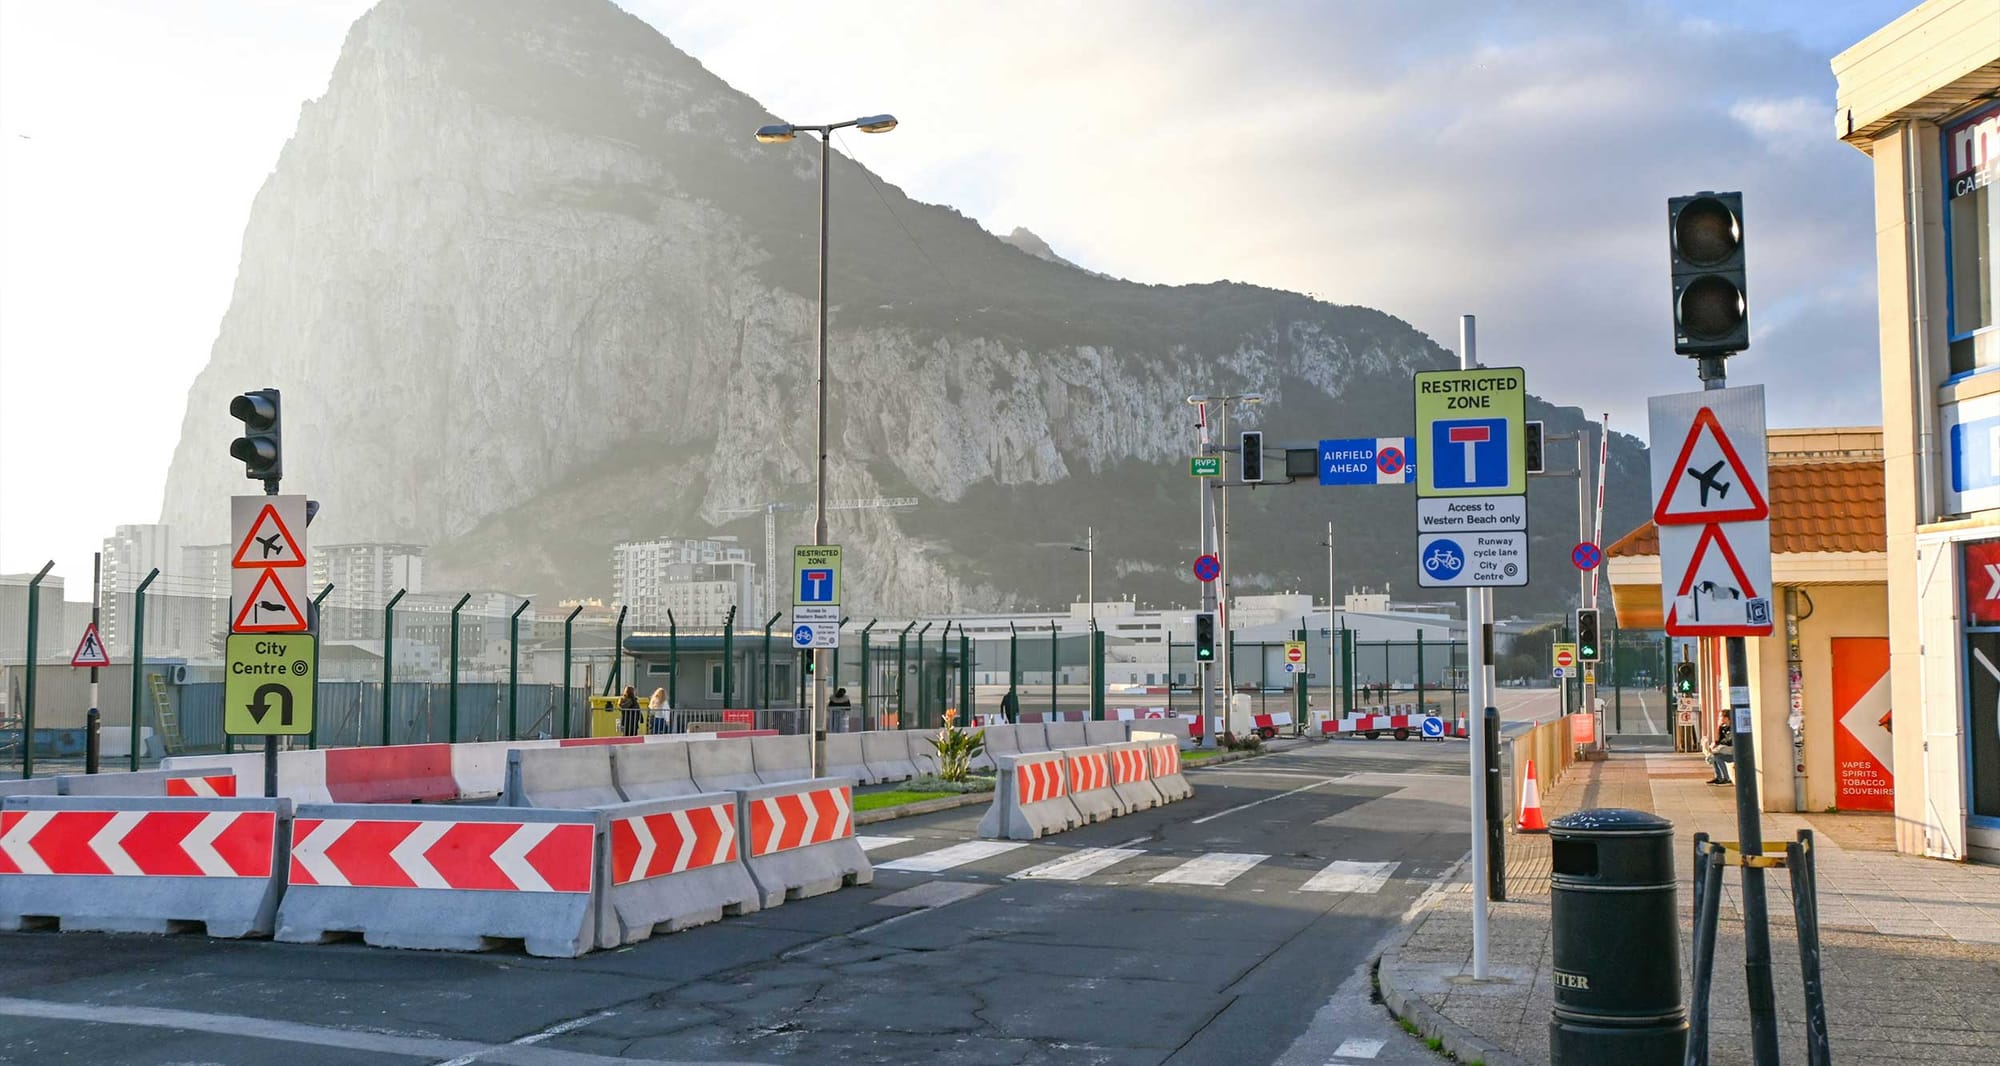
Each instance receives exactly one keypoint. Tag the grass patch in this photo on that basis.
(1200, 754)
(875, 801)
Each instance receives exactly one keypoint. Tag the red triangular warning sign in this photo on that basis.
(1710, 481)
(268, 544)
(90, 650)
(269, 609)
(1731, 603)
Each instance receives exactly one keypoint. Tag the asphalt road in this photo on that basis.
(1234, 927)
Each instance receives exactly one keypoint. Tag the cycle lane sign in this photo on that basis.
(1472, 560)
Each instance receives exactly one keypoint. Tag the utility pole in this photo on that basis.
(1476, 604)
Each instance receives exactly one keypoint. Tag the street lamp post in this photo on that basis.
(778, 133)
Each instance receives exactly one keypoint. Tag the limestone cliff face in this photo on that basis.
(531, 288)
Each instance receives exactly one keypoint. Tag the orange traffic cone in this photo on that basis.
(1531, 820)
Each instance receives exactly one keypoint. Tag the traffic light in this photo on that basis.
(1711, 304)
(1253, 455)
(811, 667)
(1684, 679)
(1204, 637)
(1586, 634)
(261, 447)
(1532, 447)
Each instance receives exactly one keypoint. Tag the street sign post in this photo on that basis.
(1295, 656)
(268, 689)
(816, 596)
(90, 650)
(1205, 466)
(1709, 468)
(1472, 514)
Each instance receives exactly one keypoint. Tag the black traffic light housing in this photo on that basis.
(1531, 447)
(1253, 455)
(1204, 637)
(1586, 634)
(1711, 302)
(811, 667)
(1684, 679)
(261, 448)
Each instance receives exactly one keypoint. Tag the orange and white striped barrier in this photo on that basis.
(799, 838)
(671, 865)
(140, 864)
(1089, 771)
(452, 878)
(1031, 798)
(1164, 770)
(1531, 820)
(1131, 779)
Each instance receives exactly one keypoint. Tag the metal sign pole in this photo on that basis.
(1475, 678)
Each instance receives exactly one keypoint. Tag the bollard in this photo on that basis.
(91, 738)
(1616, 941)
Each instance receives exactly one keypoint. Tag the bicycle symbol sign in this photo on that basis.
(1444, 559)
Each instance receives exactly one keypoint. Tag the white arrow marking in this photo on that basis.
(843, 825)
(811, 808)
(18, 844)
(512, 857)
(109, 844)
(200, 844)
(776, 816)
(685, 827)
(410, 854)
(725, 816)
(310, 853)
(1992, 581)
(647, 846)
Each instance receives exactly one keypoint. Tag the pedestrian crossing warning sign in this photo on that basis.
(269, 608)
(90, 650)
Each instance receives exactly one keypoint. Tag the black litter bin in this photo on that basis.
(1617, 981)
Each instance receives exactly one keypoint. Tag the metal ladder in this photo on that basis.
(163, 714)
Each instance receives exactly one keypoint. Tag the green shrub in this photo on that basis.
(957, 748)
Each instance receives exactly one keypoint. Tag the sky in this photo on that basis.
(1509, 160)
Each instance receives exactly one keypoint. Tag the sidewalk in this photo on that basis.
(1911, 947)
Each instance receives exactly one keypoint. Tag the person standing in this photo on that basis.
(628, 712)
(660, 714)
(837, 708)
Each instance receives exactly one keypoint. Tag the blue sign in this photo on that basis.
(1433, 727)
(802, 637)
(1444, 560)
(1207, 568)
(1974, 462)
(1367, 461)
(816, 585)
(1469, 453)
(1586, 556)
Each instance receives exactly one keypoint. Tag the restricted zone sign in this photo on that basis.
(1472, 515)
(268, 690)
(1565, 656)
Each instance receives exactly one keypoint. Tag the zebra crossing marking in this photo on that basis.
(1358, 877)
(932, 862)
(1215, 869)
(878, 843)
(1077, 865)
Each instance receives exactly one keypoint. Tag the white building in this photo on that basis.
(364, 576)
(697, 580)
(129, 555)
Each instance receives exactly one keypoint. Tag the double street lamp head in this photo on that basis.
(780, 132)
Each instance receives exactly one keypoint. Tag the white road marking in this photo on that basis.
(1077, 866)
(1364, 878)
(1261, 802)
(878, 843)
(1355, 1047)
(931, 862)
(1215, 869)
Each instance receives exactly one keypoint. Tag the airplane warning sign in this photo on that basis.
(1709, 481)
(268, 566)
(268, 540)
(90, 650)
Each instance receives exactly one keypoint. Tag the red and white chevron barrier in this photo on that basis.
(1131, 779)
(800, 838)
(214, 786)
(1089, 771)
(672, 842)
(1164, 769)
(140, 863)
(1032, 798)
(672, 864)
(434, 854)
(137, 843)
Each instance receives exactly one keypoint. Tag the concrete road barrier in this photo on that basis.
(1181, 730)
(1163, 768)
(1130, 779)
(565, 779)
(669, 865)
(1031, 736)
(447, 878)
(653, 771)
(799, 838)
(1031, 799)
(403, 773)
(1088, 770)
(143, 783)
(721, 765)
(778, 760)
(1002, 740)
(923, 755)
(984, 760)
(34, 786)
(887, 752)
(844, 758)
(1104, 733)
(1066, 734)
(479, 770)
(141, 864)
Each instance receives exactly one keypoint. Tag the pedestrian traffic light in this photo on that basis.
(1684, 679)
(261, 447)
(1711, 305)
(1586, 634)
(1253, 455)
(1204, 637)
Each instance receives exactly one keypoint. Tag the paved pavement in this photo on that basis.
(1236, 927)
(1911, 947)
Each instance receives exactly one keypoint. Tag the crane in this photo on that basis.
(770, 511)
